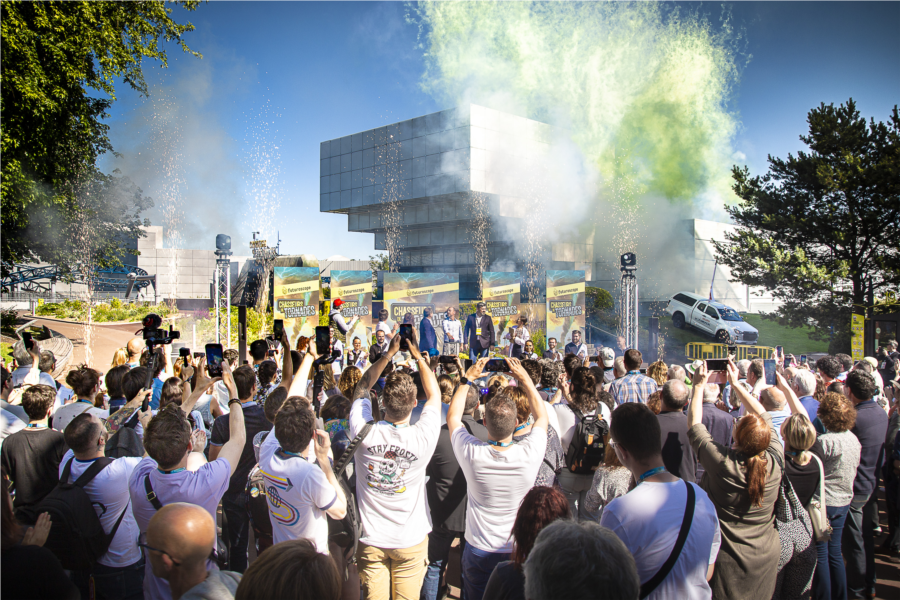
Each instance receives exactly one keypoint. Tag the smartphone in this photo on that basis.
(447, 360)
(496, 365)
(405, 336)
(323, 340)
(779, 353)
(769, 368)
(595, 359)
(803, 359)
(716, 364)
(278, 329)
(271, 352)
(214, 359)
(732, 351)
(185, 354)
(27, 341)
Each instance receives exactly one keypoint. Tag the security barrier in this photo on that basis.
(701, 350)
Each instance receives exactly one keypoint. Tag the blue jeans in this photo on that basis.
(477, 566)
(113, 583)
(830, 578)
(859, 545)
(476, 353)
(439, 542)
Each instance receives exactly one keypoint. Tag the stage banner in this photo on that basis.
(857, 336)
(407, 295)
(297, 300)
(501, 292)
(354, 288)
(565, 305)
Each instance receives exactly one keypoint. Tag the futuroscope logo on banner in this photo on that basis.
(565, 305)
(407, 295)
(354, 288)
(297, 300)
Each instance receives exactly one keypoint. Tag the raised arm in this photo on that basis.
(237, 436)
(792, 400)
(301, 381)
(287, 363)
(429, 381)
(695, 410)
(458, 401)
(202, 383)
(537, 404)
(371, 375)
(338, 510)
(750, 403)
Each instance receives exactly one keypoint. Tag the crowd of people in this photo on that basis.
(353, 474)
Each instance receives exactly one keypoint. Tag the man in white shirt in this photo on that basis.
(649, 518)
(452, 332)
(382, 325)
(390, 478)
(498, 473)
(304, 493)
(120, 572)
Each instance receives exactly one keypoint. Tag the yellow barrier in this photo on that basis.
(701, 350)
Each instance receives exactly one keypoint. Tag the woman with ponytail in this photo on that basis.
(742, 482)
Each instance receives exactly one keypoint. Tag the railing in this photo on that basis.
(703, 350)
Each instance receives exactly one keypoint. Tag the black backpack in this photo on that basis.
(588, 446)
(345, 532)
(76, 534)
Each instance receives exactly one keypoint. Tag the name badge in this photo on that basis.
(478, 331)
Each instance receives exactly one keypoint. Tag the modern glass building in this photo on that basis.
(429, 175)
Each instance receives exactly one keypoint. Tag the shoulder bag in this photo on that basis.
(817, 510)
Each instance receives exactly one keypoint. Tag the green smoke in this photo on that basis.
(642, 87)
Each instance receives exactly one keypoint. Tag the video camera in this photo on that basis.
(153, 335)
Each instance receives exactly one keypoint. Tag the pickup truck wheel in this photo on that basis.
(678, 320)
(722, 337)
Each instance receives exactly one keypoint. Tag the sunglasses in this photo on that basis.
(177, 563)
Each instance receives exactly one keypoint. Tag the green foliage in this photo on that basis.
(539, 339)
(6, 352)
(8, 319)
(259, 325)
(54, 55)
(111, 312)
(600, 306)
(819, 229)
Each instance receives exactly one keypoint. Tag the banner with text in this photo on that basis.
(297, 300)
(501, 292)
(565, 305)
(354, 288)
(407, 295)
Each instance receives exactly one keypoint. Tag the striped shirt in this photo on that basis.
(634, 387)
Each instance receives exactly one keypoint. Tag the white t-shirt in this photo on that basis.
(110, 489)
(64, 415)
(496, 481)
(647, 520)
(568, 421)
(298, 494)
(383, 326)
(10, 423)
(390, 476)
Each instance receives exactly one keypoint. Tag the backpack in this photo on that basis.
(124, 442)
(588, 446)
(345, 532)
(76, 534)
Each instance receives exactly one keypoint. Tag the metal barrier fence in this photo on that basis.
(701, 350)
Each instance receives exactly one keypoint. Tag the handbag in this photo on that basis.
(818, 516)
(791, 520)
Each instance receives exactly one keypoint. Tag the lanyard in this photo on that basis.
(394, 425)
(520, 427)
(170, 472)
(297, 454)
(501, 444)
(650, 473)
(36, 426)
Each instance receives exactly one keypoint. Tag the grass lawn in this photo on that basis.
(6, 352)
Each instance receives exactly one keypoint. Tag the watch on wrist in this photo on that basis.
(463, 380)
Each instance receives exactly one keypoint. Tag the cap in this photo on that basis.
(691, 367)
(872, 361)
(608, 357)
(337, 303)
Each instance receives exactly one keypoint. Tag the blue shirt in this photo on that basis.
(157, 393)
(811, 405)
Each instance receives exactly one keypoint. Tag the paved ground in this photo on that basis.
(105, 339)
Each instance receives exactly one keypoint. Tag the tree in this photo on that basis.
(378, 262)
(54, 54)
(820, 229)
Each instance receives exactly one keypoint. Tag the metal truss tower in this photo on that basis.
(630, 307)
(223, 297)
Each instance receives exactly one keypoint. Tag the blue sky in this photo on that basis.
(277, 78)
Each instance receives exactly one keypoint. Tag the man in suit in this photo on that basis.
(376, 350)
(552, 353)
(479, 332)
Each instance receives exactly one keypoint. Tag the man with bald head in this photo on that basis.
(677, 454)
(775, 403)
(135, 347)
(179, 540)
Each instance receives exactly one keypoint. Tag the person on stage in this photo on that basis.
(452, 332)
(338, 319)
(479, 332)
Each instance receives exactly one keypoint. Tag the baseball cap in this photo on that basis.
(608, 357)
(337, 303)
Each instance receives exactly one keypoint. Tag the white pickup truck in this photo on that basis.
(714, 318)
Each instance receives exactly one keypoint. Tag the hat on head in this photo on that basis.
(608, 357)
(691, 367)
(337, 303)
(872, 361)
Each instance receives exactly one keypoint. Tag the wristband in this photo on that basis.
(234, 400)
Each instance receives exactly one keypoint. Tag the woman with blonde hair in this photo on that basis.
(348, 380)
(120, 357)
(658, 372)
(743, 483)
